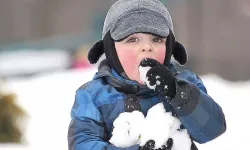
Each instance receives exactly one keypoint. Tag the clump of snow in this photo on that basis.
(156, 126)
(126, 130)
(143, 77)
(159, 125)
(143, 71)
(181, 140)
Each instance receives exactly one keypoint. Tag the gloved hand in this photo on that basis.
(151, 144)
(159, 77)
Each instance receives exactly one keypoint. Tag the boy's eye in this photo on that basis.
(132, 40)
(158, 39)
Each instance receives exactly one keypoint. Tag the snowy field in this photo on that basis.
(48, 98)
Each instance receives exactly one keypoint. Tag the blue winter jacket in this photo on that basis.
(99, 102)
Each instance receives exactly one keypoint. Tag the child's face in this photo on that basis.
(136, 47)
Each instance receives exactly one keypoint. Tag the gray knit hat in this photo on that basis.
(126, 17)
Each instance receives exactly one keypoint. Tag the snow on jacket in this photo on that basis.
(100, 101)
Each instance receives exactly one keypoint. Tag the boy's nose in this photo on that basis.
(146, 48)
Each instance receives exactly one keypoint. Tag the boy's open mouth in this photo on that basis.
(143, 59)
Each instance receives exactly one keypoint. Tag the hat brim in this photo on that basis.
(140, 22)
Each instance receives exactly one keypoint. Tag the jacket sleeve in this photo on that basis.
(87, 130)
(198, 112)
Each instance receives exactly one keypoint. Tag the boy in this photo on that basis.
(134, 30)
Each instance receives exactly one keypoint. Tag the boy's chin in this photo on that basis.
(140, 82)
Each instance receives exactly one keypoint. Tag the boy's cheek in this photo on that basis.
(129, 62)
(160, 57)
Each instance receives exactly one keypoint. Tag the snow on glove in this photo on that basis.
(168, 145)
(151, 144)
(157, 77)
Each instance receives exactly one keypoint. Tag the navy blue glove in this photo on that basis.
(159, 78)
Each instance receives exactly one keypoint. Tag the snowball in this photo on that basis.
(143, 71)
(159, 125)
(156, 126)
(126, 130)
(176, 124)
(181, 140)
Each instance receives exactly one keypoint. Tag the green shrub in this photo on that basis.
(11, 116)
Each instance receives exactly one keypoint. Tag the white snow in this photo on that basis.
(181, 140)
(48, 98)
(143, 71)
(126, 130)
(158, 125)
(31, 61)
(158, 82)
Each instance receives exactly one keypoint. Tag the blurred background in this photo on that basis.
(43, 48)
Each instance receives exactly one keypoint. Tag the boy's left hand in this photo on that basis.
(159, 77)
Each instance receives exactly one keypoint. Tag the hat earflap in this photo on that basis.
(180, 53)
(96, 52)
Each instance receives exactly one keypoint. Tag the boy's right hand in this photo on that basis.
(158, 77)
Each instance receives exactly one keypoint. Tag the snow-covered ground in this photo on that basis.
(31, 61)
(48, 98)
